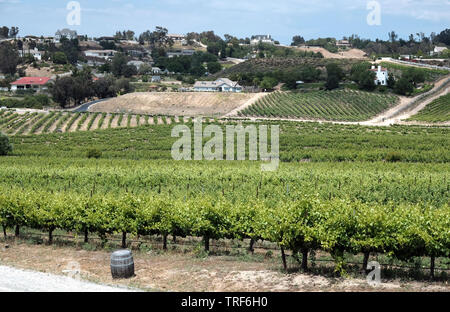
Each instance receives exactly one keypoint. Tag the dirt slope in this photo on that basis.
(174, 103)
(349, 54)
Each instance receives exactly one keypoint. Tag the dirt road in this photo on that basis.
(15, 280)
(402, 111)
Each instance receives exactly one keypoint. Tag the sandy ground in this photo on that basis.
(95, 124)
(349, 54)
(16, 280)
(246, 104)
(75, 124)
(174, 103)
(43, 72)
(178, 271)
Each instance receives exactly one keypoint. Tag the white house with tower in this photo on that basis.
(382, 75)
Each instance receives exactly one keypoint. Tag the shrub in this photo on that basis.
(5, 145)
(393, 157)
(94, 153)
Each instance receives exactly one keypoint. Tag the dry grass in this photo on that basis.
(181, 270)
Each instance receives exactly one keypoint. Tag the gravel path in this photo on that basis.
(15, 280)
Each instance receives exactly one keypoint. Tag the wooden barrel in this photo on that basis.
(122, 264)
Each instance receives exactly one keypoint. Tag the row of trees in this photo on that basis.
(417, 43)
(6, 32)
(268, 80)
(80, 87)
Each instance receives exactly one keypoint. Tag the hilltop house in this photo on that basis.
(35, 53)
(382, 75)
(343, 43)
(220, 85)
(178, 38)
(136, 64)
(30, 83)
(261, 38)
(183, 52)
(67, 33)
(104, 54)
(438, 50)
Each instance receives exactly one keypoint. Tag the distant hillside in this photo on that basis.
(283, 64)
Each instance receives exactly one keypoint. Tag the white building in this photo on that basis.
(104, 54)
(67, 33)
(382, 75)
(178, 38)
(35, 53)
(438, 50)
(220, 85)
(261, 38)
(136, 64)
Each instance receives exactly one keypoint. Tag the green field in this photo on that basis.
(436, 111)
(340, 105)
(312, 142)
(13, 123)
(340, 189)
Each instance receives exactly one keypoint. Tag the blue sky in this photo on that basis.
(242, 18)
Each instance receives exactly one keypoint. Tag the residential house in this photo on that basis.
(30, 83)
(156, 70)
(178, 38)
(137, 64)
(35, 53)
(184, 52)
(67, 33)
(104, 54)
(220, 85)
(343, 43)
(261, 38)
(382, 75)
(156, 78)
(438, 50)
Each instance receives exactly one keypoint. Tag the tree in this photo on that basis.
(444, 37)
(393, 36)
(4, 32)
(104, 88)
(123, 86)
(9, 58)
(13, 32)
(71, 49)
(268, 83)
(363, 76)
(414, 75)
(119, 62)
(334, 76)
(391, 81)
(297, 40)
(62, 90)
(59, 58)
(5, 145)
(214, 67)
(129, 71)
(404, 86)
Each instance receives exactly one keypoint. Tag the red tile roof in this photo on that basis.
(31, 81)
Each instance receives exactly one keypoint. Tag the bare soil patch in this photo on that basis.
(176, 271)
(174, 103)
(348, 54)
